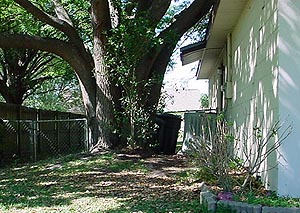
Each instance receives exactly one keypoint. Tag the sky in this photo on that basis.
(180, 77)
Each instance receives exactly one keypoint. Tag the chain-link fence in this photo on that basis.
(31, 140)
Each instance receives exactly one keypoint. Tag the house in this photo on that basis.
(180, 100)
(252, 59)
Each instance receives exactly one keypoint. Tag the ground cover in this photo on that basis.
(108, 182)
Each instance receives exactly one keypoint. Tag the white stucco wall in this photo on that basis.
(289, 95)
(255, 61)
(265, 73)
(255, 76)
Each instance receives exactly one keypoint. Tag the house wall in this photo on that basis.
(252, 59)
(289, 92)
(262, 60)
(255, 79)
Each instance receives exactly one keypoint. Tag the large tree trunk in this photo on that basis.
(101, 21)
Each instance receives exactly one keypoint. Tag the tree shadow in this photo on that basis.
(128, 181)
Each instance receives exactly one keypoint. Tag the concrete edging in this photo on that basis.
(209, 200)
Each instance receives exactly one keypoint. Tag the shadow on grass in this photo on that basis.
(158, 205)
(100, 178)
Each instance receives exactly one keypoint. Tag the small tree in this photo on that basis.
(217, 151)
(212, 150)
(204, 101)
(255, 148)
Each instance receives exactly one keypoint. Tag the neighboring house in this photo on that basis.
(252, 59)
(180, 100)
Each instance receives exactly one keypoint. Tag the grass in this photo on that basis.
(101, 183)
(268, 199)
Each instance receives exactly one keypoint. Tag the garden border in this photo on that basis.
(209, 200)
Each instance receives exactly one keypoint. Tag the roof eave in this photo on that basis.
(226, 17)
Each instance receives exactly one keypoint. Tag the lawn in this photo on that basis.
(107, 182)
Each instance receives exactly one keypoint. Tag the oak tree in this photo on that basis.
(130, 31)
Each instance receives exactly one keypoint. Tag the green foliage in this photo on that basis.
(60, 94)
(61, 90)
(204, 101)
(128, 43)
(40, 79)
(16, 19)
(267, 198)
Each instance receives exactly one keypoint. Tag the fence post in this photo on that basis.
(35, 131)
(18, 138)
(57, 135)
(86, 135)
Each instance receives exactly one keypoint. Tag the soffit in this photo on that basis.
(225, 19)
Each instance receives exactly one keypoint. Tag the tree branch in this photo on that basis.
(188, 18)
(62, 13)
(55, 46)
(57, 23)
(143, 6)
(157, 10)
(152, 10)
(67, 51)
(100, 16)
(185, 20)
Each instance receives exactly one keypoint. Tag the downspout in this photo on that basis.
(229, 57)
(220, 93)
(228, 87)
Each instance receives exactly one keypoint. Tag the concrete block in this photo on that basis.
(236, 206)
(244, 208)
(211, 204)
(294, 210)
(266, 209)
(224, 203)
(205, 195)
(249, 208)
(257, 208)
(203, 187)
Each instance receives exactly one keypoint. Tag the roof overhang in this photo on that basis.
(224, 20)
(192, 52)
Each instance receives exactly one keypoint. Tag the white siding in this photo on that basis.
(265, 73)
(255, 74)
(289, 92)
